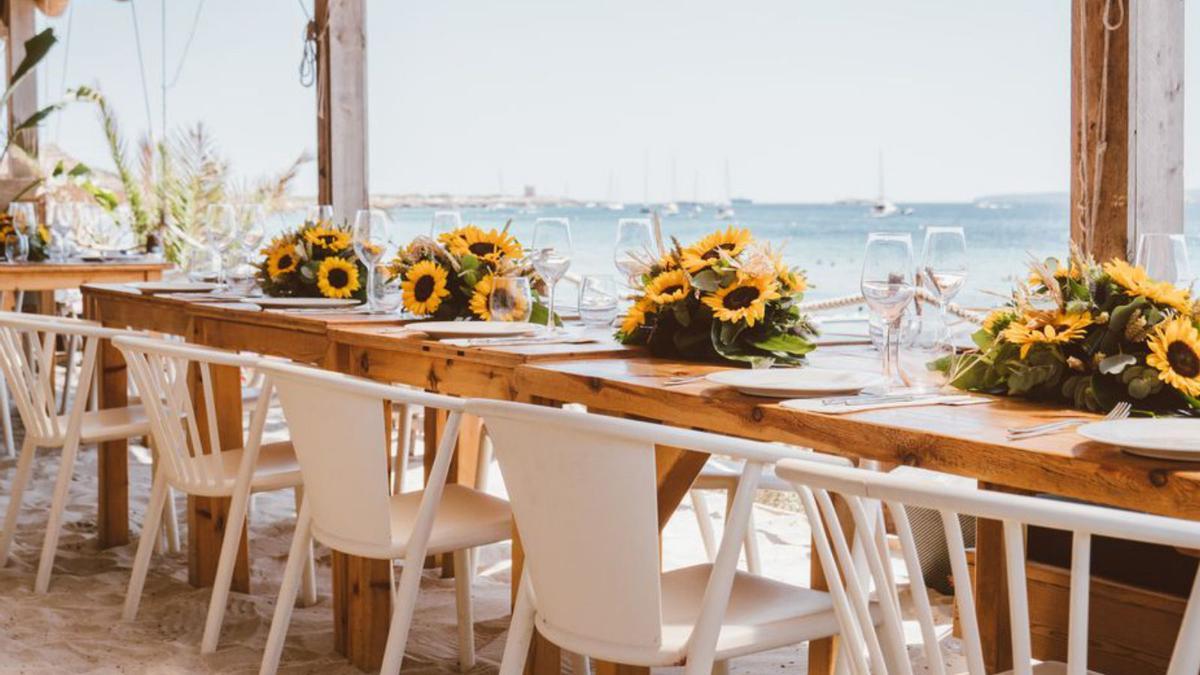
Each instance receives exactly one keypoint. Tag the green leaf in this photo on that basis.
(982, 339)
(786, 343)
(36, 49)
(707, 281)
(1113, 365)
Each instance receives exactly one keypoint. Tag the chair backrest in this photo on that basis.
(176, 383)
(856, 487)
(583, 489)
(28, 344)
(339, 427)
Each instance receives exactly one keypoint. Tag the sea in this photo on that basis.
(825, 240)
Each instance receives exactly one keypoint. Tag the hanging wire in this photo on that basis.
(137, 37)
(187, 46)
(62, 85)
(308, 59)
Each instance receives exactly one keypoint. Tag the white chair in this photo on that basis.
(859, 488)
(27, 359)
(722, 474)
(339, 425)
(584, 494)
(170, 376)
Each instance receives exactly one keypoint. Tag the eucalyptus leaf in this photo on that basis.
(1115, 364)
(707, 281)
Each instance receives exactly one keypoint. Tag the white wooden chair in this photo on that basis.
(339, 424)
(170, 376)
(583, 490)
(868, 648)
(27, 359)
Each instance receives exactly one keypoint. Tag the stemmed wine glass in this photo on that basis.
(61, 217)
(1165, 258)
(22, 217)
(250, 231)
(375, 240)
(635, 242)
(319, 214)
(443, 222)
(511, 299)
(888, 287)
(222, 230)
(944, 271)
(551, 256)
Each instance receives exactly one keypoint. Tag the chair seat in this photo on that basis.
(276, 469)
(1051, 668)
(466, 518)
(109, 424)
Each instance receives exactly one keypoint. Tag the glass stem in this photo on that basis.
(550, 308)
(887, 352)
(370, 288)
(943, 331)
(894, 348)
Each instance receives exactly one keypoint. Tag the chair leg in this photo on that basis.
(287, 593)
(72, 346)
(486, 451)
(520, 632)
(579, 664)
(141, 560)
(466, 612)
(403, 448)
(308, 585)
(753, 564)
(172, 529)
(704, 520)
(225, 563)
(720, 668)
(20, 481)
(6, 418)
(403, 605)
(62, 487)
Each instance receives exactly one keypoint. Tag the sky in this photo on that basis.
(599, 100)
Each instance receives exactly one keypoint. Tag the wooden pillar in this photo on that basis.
(18, 17)
(1126, 122)
(342, 105)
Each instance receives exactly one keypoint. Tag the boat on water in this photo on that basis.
(670, 209)
(726, 213)
(615, 206)
(881, 207)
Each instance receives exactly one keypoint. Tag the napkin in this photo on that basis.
(819, 404)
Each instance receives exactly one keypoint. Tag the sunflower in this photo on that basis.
(1167, 293)
(44, 233)
(1061, 273)
(998, 320)
(635, 318)
(337, 278)
(1175, 353)
(282, 259)
(423, 287)
(486, 245)
(668, 287)
(707, 251)
(328, 238)
(1057, 329)
(744, 300)
(480, 297)
(790, 280)
(1128, 277)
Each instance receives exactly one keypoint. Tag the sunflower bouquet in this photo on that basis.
(1091, 336)
(724, 298)
(314, 260)
(451, 277)
(39, 240)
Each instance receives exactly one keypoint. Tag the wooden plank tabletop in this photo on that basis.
(46, 276)
(968, 441)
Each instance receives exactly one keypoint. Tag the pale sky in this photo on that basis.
(963, 97)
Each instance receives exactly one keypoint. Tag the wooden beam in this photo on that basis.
(19, 16)
(342, 105)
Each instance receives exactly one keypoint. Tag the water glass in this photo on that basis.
(61, 217)
(16, 247)
(511, 299)
(319, 214)
(888, 285)
(241, 276)
(944, 272)
(551, 255)
(253, 221)
(375, 240)
(444, 222)
(220, 232)
(635, 247)
(1165, 258)
(384, 291)
(23, 217)
(598, 300)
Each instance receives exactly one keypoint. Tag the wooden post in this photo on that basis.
(342, 105)
(18, 17)
(1126, 122)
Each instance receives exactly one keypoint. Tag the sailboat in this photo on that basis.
(612, 204)
(725, 209)
(882, 208)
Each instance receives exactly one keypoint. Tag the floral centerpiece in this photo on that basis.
(313, 261)
(39, 239)
(1091, 336)
(724, 298)
(451, 278)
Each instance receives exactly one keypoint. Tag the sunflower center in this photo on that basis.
(338, 278)
(423, 288)
(285, 262)
(328, 239)
(1183, 359)
(715, 252)
(482, 248)
(740, 298)
(672, 290)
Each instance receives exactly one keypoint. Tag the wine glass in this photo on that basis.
(375, 240)
(61, 217)
(635, 243)
(511, 299)
(16, 246)
(444, 222)
(23, 217)
(551, 256)
(1165, 258)
(384, 290)
(220, 231)
(319, 214)
(253, 227)
(888, 287)
(944, 271)
(598, 298)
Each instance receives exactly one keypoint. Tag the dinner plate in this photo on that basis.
(456, 329)
(297, 303)
(793, 382)
(157, 287)
(1173, 438)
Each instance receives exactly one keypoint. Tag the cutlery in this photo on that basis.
(871, 399)
(1120, 411)
(682, 379)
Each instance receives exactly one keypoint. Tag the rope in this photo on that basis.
(923, 295)
(1089, 192)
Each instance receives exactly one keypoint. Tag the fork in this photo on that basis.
(682, 379)
(1119, 412)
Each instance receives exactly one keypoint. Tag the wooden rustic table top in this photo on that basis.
(46, 276)
(968, 440)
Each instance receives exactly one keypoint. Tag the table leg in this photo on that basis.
(207, 516)
(112, 518)
(991, 594)
(362, 608)
(462, 467)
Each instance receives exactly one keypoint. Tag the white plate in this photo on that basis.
(294, 303)
(453, 329)
(1158, 438)
(792, 382)
(156, 287)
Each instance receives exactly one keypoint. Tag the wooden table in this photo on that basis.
(50, 276)
(968, 441)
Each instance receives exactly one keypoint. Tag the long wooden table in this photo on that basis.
(53, 276)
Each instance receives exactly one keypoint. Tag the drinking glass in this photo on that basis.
(220, 232)
(1165, 258)
(23, 217)
(253, 219)
(61, 217)
(888, 287)
(511, 299)
(944, 271)
(445, 221)
(16, 246)
(375, 241)
(551, 256)
(598, 298)
(319, 214)
(635, 246)
(384, 291)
